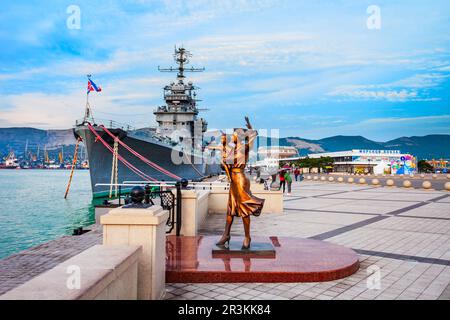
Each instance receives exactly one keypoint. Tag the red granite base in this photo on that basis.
(189, 259)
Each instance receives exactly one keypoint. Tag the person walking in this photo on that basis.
(296, 174)
(288, 181)
(282, 181)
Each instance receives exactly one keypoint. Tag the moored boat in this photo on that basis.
(174, 149)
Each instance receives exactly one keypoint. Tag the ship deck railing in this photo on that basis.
(169, 184)
(108, 123)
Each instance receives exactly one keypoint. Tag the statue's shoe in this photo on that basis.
(224, 242)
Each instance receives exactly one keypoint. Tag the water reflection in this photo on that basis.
(196, 254)
(34, 210)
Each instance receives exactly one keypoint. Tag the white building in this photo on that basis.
(277, 152)
(370, 161)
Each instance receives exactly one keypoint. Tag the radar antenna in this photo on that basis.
(181, 57)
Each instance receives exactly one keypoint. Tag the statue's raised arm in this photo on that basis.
(247, 122)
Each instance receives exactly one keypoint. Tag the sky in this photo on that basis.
(313, 69)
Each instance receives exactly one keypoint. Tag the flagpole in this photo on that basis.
(88, 106)
(86, 110)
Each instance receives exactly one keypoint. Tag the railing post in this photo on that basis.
(179, 201)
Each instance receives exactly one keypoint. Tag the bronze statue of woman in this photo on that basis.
(241, 202)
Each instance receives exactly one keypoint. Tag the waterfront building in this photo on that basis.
(370, 161)
(441, 165)
(277, 152)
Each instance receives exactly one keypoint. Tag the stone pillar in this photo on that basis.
(194, 209)
(189, 213)
(144, 227)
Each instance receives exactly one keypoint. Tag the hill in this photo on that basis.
(18, 139)
(426, 147)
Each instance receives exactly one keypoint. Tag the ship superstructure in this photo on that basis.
(178, 119)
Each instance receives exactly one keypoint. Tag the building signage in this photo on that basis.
(378, 151)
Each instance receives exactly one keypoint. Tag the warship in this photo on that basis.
(176, 145)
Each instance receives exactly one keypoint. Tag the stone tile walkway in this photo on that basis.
(402, 235)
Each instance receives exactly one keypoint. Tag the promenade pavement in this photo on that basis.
(401, 235)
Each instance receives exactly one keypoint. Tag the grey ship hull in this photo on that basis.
(100, 160)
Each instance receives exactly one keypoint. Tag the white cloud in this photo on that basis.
(264, 51)
(40, 110)
(21, 75)
(427, 80)
(181, 7)
(59, 111)
(265, 67)
(446, 68)
(421, 119)
(390, 95)
(413, 88)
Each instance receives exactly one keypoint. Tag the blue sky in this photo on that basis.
(309, 68)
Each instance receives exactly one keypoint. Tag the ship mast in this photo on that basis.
(178, 120)
(88, 110)
(181, 57)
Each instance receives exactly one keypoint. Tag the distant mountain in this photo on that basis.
(18, 139)
(434, 146)
(427, 147)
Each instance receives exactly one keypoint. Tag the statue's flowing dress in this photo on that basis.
(241, 202)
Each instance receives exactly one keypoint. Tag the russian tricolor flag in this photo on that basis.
(93, 87)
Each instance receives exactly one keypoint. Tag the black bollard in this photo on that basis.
(184, 183)
(136, 198)
(137, 195)
(147, 189)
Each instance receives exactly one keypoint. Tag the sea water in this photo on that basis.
(33, 209)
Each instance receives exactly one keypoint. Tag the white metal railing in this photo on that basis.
(195, 185)
(108, 123)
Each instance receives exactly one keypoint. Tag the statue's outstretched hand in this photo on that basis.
(249, 126)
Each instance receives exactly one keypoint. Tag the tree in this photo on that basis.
(424, 166)
(321, 162)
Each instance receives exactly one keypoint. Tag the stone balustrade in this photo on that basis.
(146, 228)
(406, 181)
(100, 272)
